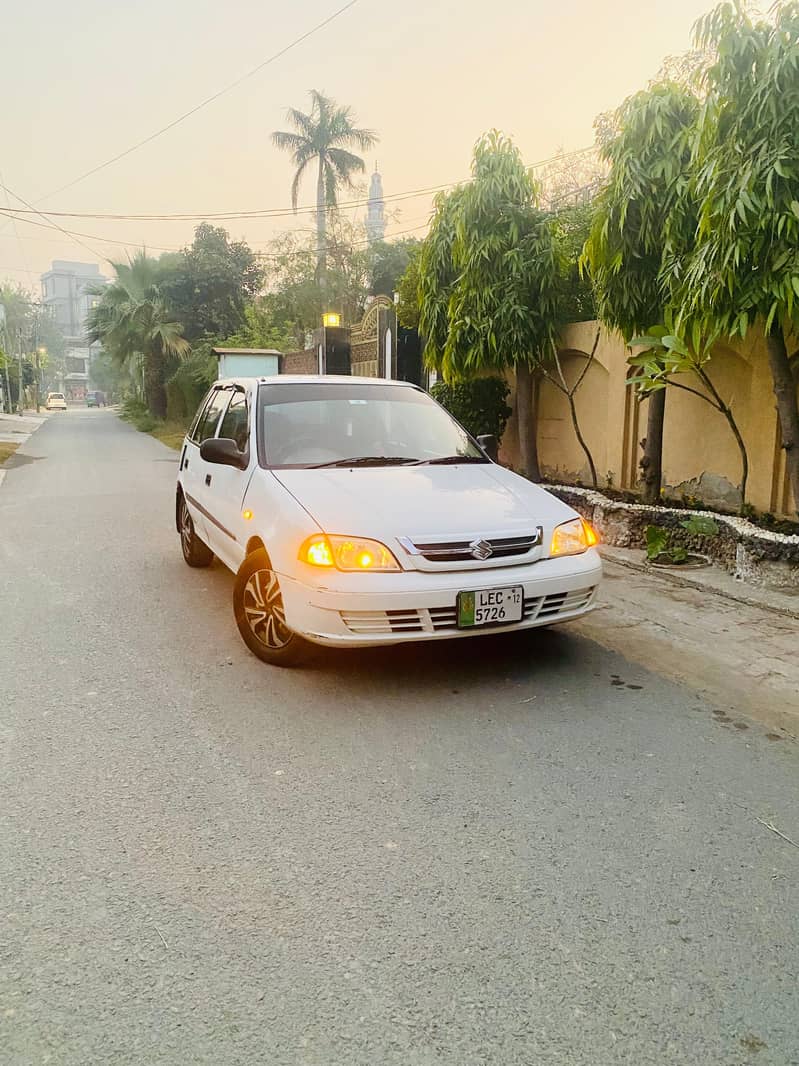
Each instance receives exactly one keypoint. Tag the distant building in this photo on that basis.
(66, 293)
(376, 211)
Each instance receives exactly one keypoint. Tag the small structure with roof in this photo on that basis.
(247, 362)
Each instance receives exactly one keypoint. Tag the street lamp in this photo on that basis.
(331, 319)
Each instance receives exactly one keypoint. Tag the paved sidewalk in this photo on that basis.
(736, 645)
(16, 429)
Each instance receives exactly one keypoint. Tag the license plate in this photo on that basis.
(488, 607)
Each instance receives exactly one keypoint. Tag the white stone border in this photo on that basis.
(740, 525)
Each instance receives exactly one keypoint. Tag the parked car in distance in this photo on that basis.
(95, 399)
(55, 402)
(356, 511)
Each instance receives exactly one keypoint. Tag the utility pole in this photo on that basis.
(19, 385)
(6, 355)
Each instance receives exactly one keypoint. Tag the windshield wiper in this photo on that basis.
(446, 460)
(366, 460)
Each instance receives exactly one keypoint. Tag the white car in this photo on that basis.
(55, 402)
(355, 511)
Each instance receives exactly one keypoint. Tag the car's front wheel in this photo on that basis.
(195, 552)
(260, 616)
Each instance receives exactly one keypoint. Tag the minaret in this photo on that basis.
(375, 216)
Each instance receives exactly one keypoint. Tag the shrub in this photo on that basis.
(132, 408)
(479, 404)
(189, 383)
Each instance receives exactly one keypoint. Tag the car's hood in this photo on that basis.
(468, 500)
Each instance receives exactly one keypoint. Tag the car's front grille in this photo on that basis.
(445, 619)
(455, 551)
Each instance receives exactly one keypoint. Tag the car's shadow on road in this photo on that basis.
(472, 660)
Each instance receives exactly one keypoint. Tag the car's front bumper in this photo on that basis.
(416, 605)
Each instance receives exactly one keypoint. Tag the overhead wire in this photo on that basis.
(204, 103)
(279, 212)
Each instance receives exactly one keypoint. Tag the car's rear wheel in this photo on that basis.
(260, 616)
(195, 552)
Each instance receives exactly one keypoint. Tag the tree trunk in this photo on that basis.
(726, 410)
(526, 404)
(321, 229)
(652, 461)
(787, 407)
(581, 439)
(154, 388)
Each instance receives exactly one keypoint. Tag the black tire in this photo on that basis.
(195, 552)
(258, 607)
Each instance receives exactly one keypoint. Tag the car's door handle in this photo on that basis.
(207, 479)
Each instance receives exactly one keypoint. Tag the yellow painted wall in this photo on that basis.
(700, 456)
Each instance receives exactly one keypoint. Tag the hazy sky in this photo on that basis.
(83, 80)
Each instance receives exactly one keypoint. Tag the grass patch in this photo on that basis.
(6, 450)
(169, 433)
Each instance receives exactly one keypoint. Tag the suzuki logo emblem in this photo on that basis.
(481, 549)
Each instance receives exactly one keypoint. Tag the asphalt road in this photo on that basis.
(519, 851)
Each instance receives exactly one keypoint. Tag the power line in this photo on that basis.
(73, 236)
(24, 256)
(204, 103)
(279, 212)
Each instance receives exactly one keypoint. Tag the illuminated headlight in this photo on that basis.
(347, 553)
(573, 538)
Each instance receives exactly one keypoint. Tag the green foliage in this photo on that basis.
(659, 542)
(571, 227)
(322, 138)
(132, 409)
(658, 545)
(294, 300)
(664, 354)
(189, 383)
(488, 274)
(388, 262)
(700, 525)
(261, 328)
(408, 290)
(133, 319)
(648, 148)
(479, 404)
(322, 135)
(209, 283)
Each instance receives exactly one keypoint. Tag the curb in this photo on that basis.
(686, 582)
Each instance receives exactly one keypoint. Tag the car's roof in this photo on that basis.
(313, 379)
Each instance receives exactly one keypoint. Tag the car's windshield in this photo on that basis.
(323, 424)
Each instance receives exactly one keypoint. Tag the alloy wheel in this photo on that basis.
(263, 609)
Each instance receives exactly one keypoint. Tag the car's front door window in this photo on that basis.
(235, 424)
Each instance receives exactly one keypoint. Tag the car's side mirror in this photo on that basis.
(224, 451)
(488, 442)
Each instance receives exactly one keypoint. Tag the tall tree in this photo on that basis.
(740, 270)
(388, 261)
(133, 318)
(210, 283)
(489, 280)
(322, 137)
(647, 145)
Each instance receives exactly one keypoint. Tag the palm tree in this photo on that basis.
(133, 319)
(323, 136)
